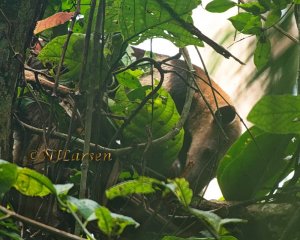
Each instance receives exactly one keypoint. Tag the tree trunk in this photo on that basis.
(17, 21)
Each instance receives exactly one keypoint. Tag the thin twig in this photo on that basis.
(40, 225)
(79, 222)
(64, 48)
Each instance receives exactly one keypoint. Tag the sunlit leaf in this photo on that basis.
(141, 185)
(32, 183)
(162, 121)
(219, 6)
(140, 20)
(180, 187)
(8, 175)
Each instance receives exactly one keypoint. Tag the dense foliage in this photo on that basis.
(93, 50)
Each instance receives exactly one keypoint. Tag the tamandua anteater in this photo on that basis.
(206, 139)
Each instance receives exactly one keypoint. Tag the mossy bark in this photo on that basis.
(17, 21)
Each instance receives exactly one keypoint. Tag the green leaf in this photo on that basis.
(247, 23)
(85, 207)
(51, 53)
(277, 114)
(112, 23)
(25, 102)
(130, 78)
(296, 1)
(63, 189)
(253, 164)
(218, 6)
(105, 221)
(144, 19)
(228, 238)
(180, 188)
(68, 5)
(162, 121)
(11, 235)
(141, 185)
(253, 7)
(196, 238)
(213, 219)
(9, 229)
(180, 238)
(272, 18)
(282, 4)
(8, 176)
(266, 4)
(262, 52)
(138, 93)
(113, 224)
(32, 183)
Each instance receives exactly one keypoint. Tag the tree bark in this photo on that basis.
(17, 21)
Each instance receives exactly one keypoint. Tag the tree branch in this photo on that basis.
(40, 225)
(195, 31)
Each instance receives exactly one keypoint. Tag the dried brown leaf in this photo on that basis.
(53, 21)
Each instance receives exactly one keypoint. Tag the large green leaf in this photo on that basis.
(162, 121)
(277, 114)
(51, 53)
(144, 19)
(252, 167)
(8, 175)
(32, 183)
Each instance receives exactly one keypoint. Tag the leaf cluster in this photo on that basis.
(252, 21)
